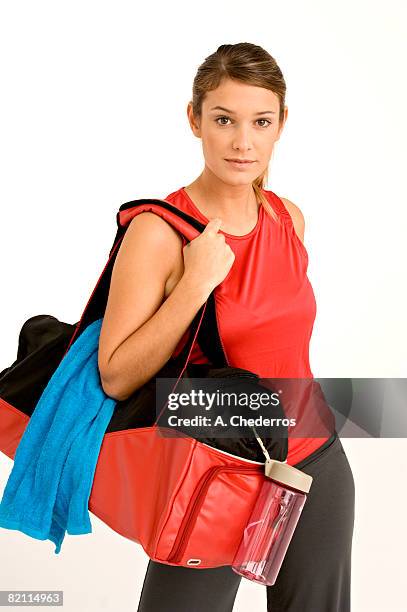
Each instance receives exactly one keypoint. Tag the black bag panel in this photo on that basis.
(42, 343)
(245, 444)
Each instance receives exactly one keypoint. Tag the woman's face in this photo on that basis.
(238, 121)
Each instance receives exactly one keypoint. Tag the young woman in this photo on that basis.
(252, 250)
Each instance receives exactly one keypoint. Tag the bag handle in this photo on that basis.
(186, 349)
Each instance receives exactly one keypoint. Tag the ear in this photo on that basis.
(192, 121)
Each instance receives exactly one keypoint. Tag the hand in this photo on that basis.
(208, 258)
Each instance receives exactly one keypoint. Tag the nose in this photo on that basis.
(241, 139)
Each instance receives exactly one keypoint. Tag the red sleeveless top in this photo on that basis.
(266, 305)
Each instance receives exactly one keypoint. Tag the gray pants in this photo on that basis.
(316, 573)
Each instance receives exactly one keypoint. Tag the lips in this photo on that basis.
(241, 161)
(239, 165)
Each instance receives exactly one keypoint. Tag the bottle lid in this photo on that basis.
(287, 474)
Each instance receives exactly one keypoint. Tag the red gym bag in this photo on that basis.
(185, 501)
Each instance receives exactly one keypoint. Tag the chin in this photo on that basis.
(236, 180)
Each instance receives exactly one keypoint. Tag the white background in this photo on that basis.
(93, 114)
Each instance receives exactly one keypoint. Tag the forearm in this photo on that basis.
(148, 348)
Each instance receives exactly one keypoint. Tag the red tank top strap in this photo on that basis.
(279, 207)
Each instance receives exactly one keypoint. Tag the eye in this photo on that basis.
(268, 122)
(223, 117)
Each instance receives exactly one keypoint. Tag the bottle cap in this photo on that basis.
(288, 475)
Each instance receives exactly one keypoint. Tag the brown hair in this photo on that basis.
(243, 62)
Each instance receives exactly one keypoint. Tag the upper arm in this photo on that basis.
(297, 218)
(143, 264)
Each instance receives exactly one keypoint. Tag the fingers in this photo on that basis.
(213, 226)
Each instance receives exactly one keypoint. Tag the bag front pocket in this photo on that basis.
(216, 515)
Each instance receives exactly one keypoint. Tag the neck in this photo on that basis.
(230, 202)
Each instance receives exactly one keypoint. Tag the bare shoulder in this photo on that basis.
(157, 228)
(163, 239)
(296, 216)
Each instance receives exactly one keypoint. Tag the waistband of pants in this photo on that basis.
(317, 452)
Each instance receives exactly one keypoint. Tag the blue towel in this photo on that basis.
(48, 489)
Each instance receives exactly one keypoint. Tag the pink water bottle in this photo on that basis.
(272, 522)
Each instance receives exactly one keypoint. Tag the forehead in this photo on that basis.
(241, 98)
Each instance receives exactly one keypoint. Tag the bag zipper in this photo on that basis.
(195, 504)
(219, 450)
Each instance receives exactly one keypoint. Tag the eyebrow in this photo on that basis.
(222, 108)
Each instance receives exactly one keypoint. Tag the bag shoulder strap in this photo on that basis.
(187, 225)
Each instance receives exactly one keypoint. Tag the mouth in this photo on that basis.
(240, 164)
(240, 161)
